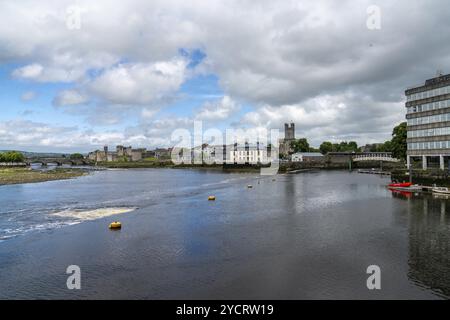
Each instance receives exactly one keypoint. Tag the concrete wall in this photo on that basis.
(338, 159)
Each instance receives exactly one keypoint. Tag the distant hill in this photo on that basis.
(40, 154)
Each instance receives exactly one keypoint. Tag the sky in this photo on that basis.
(76, 75)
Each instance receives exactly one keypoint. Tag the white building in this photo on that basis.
(217, 154)
(249, 155)
(306, 156)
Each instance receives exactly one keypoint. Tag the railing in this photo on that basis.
(375, 157)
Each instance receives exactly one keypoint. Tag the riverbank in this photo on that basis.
(169, 164)
(26, 175)
(430, 177)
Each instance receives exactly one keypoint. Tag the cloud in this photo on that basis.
(27, 112)
(313, 62)
(331, 117)
(28, 96)
(140, 83)
(31, 71)
(25, 133)
(32, 135)
(148, 113)
(218, 110)
(69, 98)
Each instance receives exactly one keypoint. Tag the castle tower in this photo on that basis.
(119, 150)
(105, 148)
(289, 131)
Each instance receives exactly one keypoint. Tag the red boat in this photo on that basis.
(402, 184)
(405, 194)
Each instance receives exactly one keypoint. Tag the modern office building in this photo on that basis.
(428, 121)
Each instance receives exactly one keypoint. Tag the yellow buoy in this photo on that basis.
(210, 198)
(115, 225)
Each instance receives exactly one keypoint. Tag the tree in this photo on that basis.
(326, 147)
(342, 146)
(76, 156)
(352, 146)
(397, 145)
(12, 156)
(382, 147)
(374, 147)
(398, 142)
(300, 145)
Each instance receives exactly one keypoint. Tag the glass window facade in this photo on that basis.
(429, 106)
(428, 94)
(429, 119)
(429, 132)
(430, 145)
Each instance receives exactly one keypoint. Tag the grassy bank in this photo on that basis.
(26, 175)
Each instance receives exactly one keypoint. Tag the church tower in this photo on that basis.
(289, 131)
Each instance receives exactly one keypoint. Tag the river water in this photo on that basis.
(310, 235)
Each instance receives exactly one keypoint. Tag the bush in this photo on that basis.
(76, 156)
(12, 156)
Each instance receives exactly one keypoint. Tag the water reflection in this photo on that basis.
(298, 236)
(429, 240)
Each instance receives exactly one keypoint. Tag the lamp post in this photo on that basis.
(410, 173)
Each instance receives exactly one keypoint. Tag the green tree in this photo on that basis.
(345, 146)
(352, 146)
(397, 145)
(374, 147)
(76, 156)
(300, 145)
(326, 147)
(12, 156)
(383, 147)
(398, 142)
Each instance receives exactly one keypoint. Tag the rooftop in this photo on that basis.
(437, 81)
(309, 154)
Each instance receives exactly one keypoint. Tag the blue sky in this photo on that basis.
(23, 99)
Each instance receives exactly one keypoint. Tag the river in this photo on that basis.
(310, 235)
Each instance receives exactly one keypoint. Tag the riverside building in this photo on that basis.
(428, 122)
